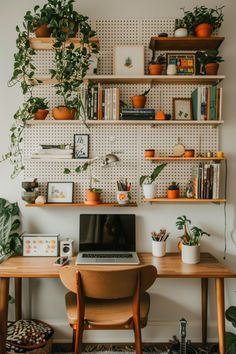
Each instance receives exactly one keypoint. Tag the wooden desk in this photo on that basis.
(169, 266)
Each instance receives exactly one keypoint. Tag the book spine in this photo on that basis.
(220, 103)
(106, 104)
(212, 102)
(99, 101)
(95, 106)
(203, 103)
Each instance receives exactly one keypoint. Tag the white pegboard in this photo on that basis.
(129, 140)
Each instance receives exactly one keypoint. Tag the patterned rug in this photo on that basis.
(113, 349)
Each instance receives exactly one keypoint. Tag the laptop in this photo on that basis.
(107, 239)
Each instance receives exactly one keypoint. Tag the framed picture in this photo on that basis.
(185, 62)
(40, 245)
(128, 60)
(81, 146)
(60, 192)
(182, 109)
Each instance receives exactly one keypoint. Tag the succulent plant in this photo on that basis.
(174, 186)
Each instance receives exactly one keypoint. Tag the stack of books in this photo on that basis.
(138, 114)
(207, 103)
(53, 152)
(206, 181)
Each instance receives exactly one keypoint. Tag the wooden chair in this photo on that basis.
(107, 299)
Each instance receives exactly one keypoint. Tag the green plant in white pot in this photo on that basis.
(147, 181)
(190, 240)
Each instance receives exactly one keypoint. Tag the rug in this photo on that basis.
(113, 349)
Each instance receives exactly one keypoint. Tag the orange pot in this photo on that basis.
(155, 69)
(149, 153)
(203, 30)
(189, 153)
(41, 114)
(212, 68)
(173, 194)
(139, 101)
(92, 198)
(160, 115)
(43, 31)
(63, 113)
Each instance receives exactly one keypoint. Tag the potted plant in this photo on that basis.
(203, 21)
(180, 28)
(173, 191)
(39, 108)
(139, 101)
(210, 61)
(190, 240)
(156, 65)
(147, 181)
(230, 337)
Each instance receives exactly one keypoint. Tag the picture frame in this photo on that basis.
(60, 192)
(182, 109)
(128, 60)
(40, 245)
(185, 62)
(81, 146)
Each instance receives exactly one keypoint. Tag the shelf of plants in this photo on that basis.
(112, 205)
(172, 158)
(45, 43)
(183, 200)
(185, 43)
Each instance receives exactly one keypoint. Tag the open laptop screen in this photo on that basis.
(107, 232)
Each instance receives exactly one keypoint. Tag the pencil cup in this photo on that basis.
(158, 248)
(123, 197)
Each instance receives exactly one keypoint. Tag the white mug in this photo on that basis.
(171, 69)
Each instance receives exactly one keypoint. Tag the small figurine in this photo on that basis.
(189, 189)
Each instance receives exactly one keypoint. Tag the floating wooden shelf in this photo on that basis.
(184, 200)
(172, 158)
(50, 159)
(73, 205)
(186, 43)
(47, 43)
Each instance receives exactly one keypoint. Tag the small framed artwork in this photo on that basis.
(182, 109)
(81, 146)
(40, 245)
(60, 192)
(185, 62)
(128, 60)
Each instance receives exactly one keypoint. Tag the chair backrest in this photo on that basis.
(108, 284)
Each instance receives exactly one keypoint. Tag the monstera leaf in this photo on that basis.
(10, 239)
(230, 338)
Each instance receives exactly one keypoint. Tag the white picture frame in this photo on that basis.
(60, 192)
(40, 245)
(128, 60)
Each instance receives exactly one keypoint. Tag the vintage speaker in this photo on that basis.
(66, 248)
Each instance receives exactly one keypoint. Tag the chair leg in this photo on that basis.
(78, 339)
(138, 337)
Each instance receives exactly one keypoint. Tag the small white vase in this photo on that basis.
(190, 254)
(158, 248)
(171, 69)
(181, 32)
(149, 191)
(123, 197)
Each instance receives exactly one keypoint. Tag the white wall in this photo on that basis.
(171, 299)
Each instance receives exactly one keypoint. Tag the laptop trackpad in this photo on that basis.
(106, 260)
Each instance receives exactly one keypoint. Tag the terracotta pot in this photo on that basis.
(92, 198)
(173, 193)
(139, 101)
(203, 30)
(149, 153)
(160, 115)
(43, 31)
(189, 153)
(41, 114)
(155, 69)
(212, 68)
(63, 113)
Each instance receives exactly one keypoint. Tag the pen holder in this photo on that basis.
(158, 248)
(123, 197)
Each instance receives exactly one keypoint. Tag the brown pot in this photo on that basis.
(139, 101)
(155, 69)
(212, 68)
(43, 31)
(203, 30)
(41, 114)
(92, 198)
(149, 153)
(63, 113)
(172, 193)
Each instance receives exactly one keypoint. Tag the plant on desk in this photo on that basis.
(230, 338)
(147, 181)
(190, 240)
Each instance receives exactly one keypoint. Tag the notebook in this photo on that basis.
(107, 239)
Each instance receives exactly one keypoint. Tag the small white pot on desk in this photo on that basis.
(190, 254)
(149, 190)
(181, 32)
(158, 248)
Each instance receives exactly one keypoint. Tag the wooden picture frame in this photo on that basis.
(128, 60)
(60, 192)
(81, 146)
(185, 62)
(182, 108)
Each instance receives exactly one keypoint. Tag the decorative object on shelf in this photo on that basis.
(209, 154)
(209, 61)
(109, 160)
(160, 115)
(137, 114)
(220, 154)
(203, 21)
(156, 65)
(92, 194)
(189, 153)
(123, 192)
(190, 240)
(139, 101)
(159, 242)
(81, 146)
(40, 245)
(182, 109)
(128, 60)
(30, 192)
(180, 28)
(40, 106)
(149, 153)
(147, 181)
(189, 190)
(63, 113)
(178, 149)
(171, 69)
(51, 151)
(93, 66)
(60, 192)
(173, 191)
(40, 200)
(163, 35)
(185, 63)
(230, 338)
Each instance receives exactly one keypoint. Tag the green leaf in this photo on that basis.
(230, 339)
(142, 179)
(67, 171)
(157, 171)
(230, 315)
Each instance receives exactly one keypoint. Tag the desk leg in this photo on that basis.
(204, 285)
(18, 299)
(220, 303)
(4, 292)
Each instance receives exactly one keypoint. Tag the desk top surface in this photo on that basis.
(169, 266)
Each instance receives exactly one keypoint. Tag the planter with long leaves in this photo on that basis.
(230, 337)
(147, 181)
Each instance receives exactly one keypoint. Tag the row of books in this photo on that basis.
(137, 114)
(207, 103)
(206, 181)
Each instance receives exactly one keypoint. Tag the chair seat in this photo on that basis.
(107, 312)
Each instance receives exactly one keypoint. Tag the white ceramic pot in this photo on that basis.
(181, 32)
(149, 191)
(171, 69)
(123, 197)
(190, 254)
(158, 248)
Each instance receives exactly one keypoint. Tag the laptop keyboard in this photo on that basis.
(105, 256)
